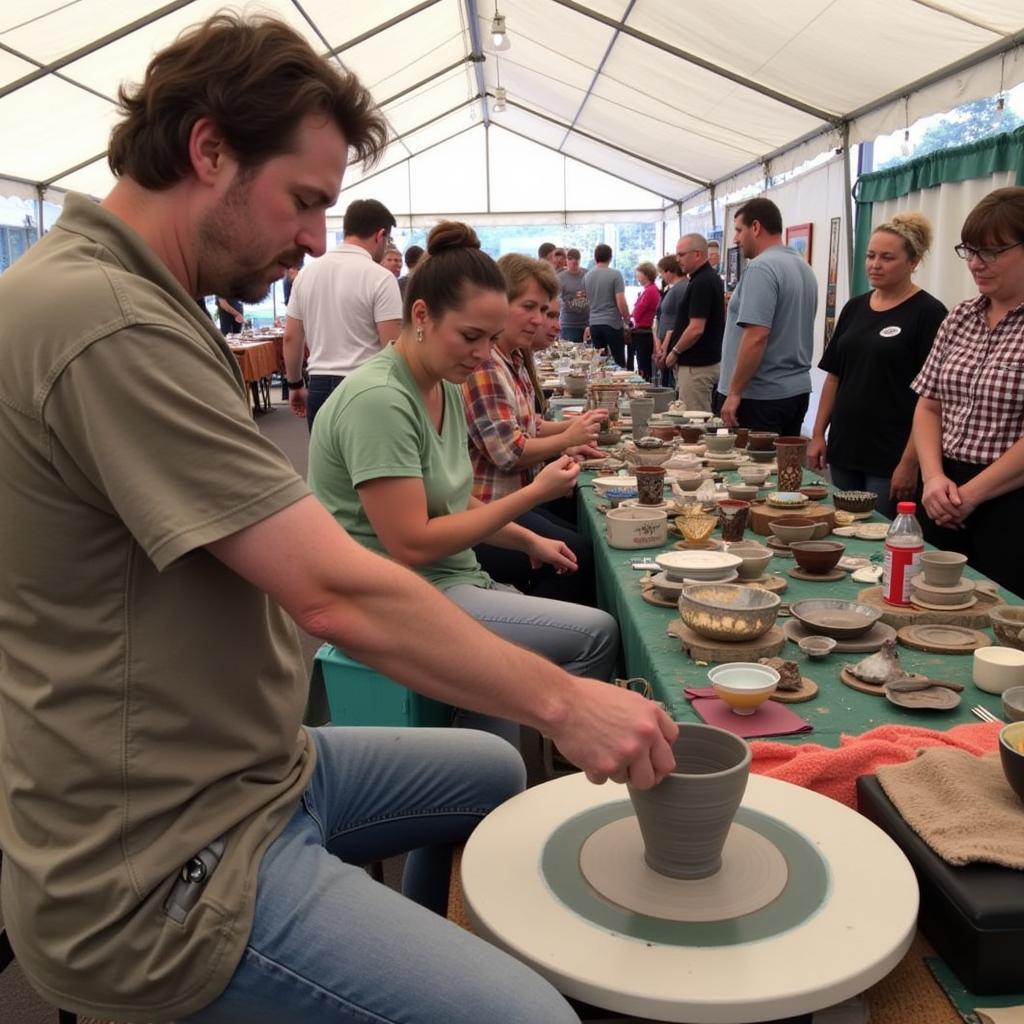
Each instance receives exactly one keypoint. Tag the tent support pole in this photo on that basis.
(848, 206)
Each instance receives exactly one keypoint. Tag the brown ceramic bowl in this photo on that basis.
(791, 528)
(691, 435)
(855, 501)
(818, 556)
(666, 433)
(761, 441)
(814, 491)
(1008, 625)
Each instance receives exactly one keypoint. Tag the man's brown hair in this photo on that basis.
(256, 78)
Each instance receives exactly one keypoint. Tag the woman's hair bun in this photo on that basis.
(451, 234)
(914, 228)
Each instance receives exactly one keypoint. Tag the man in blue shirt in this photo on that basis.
(765, 381)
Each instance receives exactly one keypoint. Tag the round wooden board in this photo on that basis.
(762, 514)
(975, 617)
(808, 691)
(700, 648)
(650, 595)
(817, 577)
(929, 637)
(874, 689)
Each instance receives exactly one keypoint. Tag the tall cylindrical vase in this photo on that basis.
(791, 454)
(685, 819)
(640, 410)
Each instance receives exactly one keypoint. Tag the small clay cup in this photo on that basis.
(685, 819)
(942, 568)
(817, 556)
(575, 385)
(790, 454)
(791, 528)
(650, 484)
(666, 433)
(742, 435)
(732, 518)
(760, 440)
(691, 434)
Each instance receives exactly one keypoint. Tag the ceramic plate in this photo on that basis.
(846, 531)
(787, 499)
(872, 531)
(603, 483)
(851, 562)
(679, 564)
(934, 698)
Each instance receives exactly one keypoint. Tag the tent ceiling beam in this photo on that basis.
(424, 81)
(96, 44)
(690, 58)
(608, 145)
(586, 163)
(944, 10)
(56, 74)
(476, 54)
(71, 170)
(369, 33)
(597, 73)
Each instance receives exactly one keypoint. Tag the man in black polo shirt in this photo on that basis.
(697, 348)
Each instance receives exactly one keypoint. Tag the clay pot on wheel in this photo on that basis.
(686, 818)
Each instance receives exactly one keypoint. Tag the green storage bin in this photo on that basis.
(359, 695)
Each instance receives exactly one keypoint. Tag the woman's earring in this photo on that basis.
(419, 335)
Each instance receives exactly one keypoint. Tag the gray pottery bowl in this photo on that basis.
(832, 617)
(1013, 703)
(725, 611)
(1011, 738)
(1008, 625)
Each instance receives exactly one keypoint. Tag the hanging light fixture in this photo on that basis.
(500, 96)
(905, 148)
(499, 33)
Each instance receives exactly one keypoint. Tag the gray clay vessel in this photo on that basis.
(686, 818)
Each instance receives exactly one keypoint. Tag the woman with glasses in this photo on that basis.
(970, 415)
(881, 341)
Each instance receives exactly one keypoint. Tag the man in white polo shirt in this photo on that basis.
(345, 306)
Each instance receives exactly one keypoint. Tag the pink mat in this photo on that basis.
(770, 719)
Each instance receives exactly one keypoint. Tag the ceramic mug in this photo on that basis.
(685, 819)
(650, 484)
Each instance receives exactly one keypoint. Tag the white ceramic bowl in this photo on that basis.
(744, 685)
(998, 668)
(635, 527)
(697, 565)
(603, 484)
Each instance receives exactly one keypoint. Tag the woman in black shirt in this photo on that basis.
(880, 342)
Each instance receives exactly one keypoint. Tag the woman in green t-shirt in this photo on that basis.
(389, 458)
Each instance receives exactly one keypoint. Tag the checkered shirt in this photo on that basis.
(501, 416)
(978, 376)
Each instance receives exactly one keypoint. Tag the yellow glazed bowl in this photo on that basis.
(743, 685)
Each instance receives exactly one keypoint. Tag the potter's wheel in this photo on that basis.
(556, 877)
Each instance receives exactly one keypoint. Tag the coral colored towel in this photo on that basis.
(834, 771)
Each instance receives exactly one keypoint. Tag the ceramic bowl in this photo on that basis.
(814, 491)
(996, 669)
(817, 555)
(816, 647)
(761, 456)
(755, 558)
(607, 438)
(1011, 753)
(603, 484)
(649, 456)
(744, 685)
(688, 479)
(855, 501)
(636, 527)
(683, 460)
(787, 499)
(743, 492)
(664, 432)
(696, 528)
(753, 474)
(1013, 703)
(942, 568)
(953, 595)
(791, 528)
(727, 611)
(761, 441)
(719, 444)
(1008, 625)
(829, 616)
(679, 566)
(691, 434)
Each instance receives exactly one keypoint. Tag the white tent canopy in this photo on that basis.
(624, 106)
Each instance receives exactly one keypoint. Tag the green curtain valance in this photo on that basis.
(975, 160)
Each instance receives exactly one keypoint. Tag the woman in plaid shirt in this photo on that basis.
(970, 416)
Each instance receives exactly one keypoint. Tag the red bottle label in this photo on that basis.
(901, 565)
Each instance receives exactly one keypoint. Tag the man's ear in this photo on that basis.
(208, 152)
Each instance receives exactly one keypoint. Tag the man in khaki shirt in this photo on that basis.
(176, 845)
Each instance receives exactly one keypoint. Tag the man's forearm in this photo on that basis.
(688, 339)
(293, 348)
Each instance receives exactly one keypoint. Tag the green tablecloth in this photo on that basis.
(651, 653)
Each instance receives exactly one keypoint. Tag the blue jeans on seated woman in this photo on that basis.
(331, 946)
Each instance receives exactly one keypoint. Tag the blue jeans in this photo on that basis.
(331, 946)
(320, 387)
(855, 480)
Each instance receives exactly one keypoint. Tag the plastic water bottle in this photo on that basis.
(903, 546)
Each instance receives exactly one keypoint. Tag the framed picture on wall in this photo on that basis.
(799, 237)
(733, 267)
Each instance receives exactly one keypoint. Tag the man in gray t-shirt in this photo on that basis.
(575, 310)
(765, 380)
(609, 314)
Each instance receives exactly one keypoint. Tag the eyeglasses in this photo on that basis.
(965, 252)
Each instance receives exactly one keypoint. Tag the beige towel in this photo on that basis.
(960, 805)
(1005, 1015)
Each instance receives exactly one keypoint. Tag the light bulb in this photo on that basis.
(500, 95)
(499, 34)
(905, 145)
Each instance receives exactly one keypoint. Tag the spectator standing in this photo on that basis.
(575, 309)
(696, 347)
(969, 421)
(879, 345)
(412, 257)
(674, 288)
(606, 296)
(641, 344)
(346, 307)
(392, 260)
(230, 315)
(765, 380)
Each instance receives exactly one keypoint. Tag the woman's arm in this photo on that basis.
(941, 498)
(826, 403)
(397, 510)
(999, 477)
